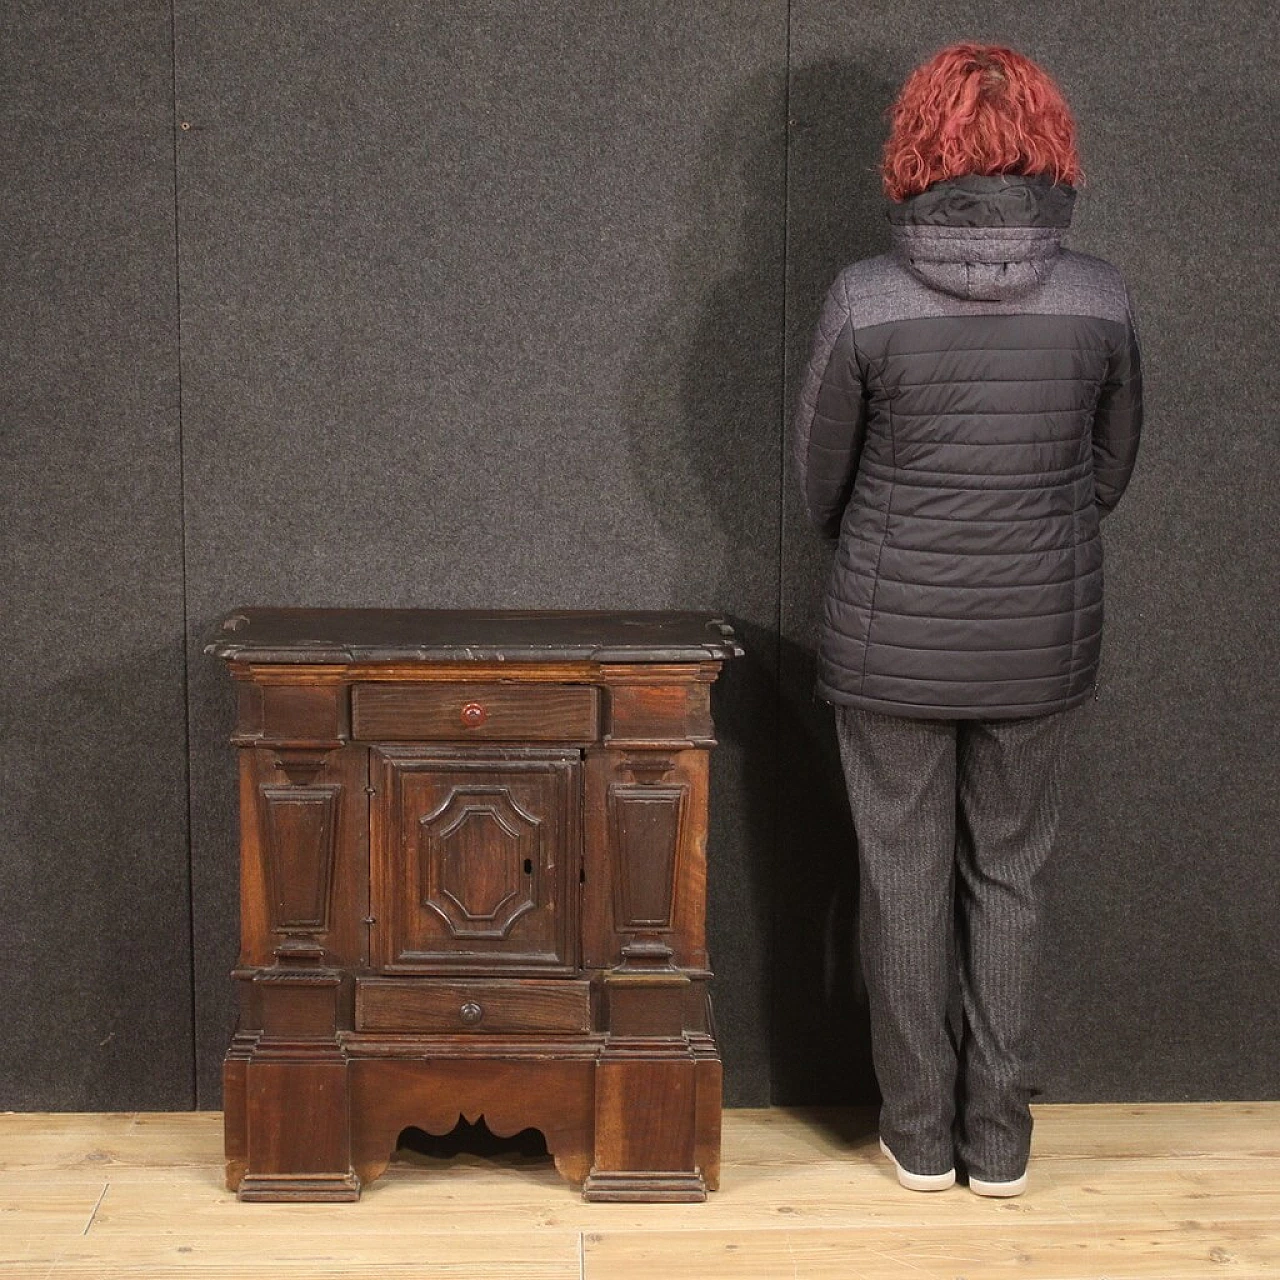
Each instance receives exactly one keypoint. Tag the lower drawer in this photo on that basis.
(476, 1005)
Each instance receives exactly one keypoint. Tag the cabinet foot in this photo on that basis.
(650, 1186)
(271, 1188)
(657, 1127)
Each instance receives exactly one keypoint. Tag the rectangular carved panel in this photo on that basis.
(644, 853)
(644, 823)
(475, 859)
(657, 709)
(647, 1004)
(298, 1006)
(309, 1139)
(304, 712)
(474, 712)
(299, 827)
(304, 886)
(645, 1115)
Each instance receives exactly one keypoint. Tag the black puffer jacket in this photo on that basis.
(971, 409)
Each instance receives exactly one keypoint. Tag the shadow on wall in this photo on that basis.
(96, 943)
(820, 1026)
(709, 434)
(701, 413)
(215, 852)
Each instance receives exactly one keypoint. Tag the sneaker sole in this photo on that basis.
(1015, 1187)
(920, 1181)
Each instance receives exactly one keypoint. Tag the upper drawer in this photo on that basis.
(483, 712)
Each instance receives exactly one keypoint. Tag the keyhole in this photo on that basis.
(528, 866)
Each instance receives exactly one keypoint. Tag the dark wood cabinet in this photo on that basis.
(473, 874)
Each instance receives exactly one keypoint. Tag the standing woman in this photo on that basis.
(970, 413)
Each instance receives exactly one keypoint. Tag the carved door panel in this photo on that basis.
(475, 860)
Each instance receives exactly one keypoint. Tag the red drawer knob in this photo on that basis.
(473, 714)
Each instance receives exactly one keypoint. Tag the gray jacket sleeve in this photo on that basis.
(830, 421)
(1117, 421)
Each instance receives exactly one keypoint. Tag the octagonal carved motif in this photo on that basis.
(479, 857)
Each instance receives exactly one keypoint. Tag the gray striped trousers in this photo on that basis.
(955, 820)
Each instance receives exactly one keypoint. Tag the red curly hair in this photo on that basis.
(978, 108)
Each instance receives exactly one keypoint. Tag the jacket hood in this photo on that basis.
(983, 236)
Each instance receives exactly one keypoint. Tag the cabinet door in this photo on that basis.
(475, 860)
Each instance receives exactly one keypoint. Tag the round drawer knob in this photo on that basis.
(471, 1013)
(473, 714)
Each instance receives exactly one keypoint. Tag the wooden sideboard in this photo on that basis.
(473, 875)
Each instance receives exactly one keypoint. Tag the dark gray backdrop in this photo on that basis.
(490, 304)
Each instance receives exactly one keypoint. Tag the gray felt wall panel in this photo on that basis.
(95, 949)
(481, 306)
(486, 304)
(1164, 959)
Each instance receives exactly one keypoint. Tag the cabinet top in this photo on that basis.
(288, 635)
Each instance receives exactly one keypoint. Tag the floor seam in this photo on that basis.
(106, 1187)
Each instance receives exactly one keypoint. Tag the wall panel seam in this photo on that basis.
(775, 841)
(194, 1085)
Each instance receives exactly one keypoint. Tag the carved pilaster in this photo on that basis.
(645, 819)
(299, 826)
(304, 855)
(645, 861)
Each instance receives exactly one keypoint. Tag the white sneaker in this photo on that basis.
(921, 1181)
(1014, 1187)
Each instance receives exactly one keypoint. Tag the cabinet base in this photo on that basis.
(589, 1110)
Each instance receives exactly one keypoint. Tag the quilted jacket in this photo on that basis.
(971, 410)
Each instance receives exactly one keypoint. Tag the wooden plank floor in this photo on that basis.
(1176, 1192)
